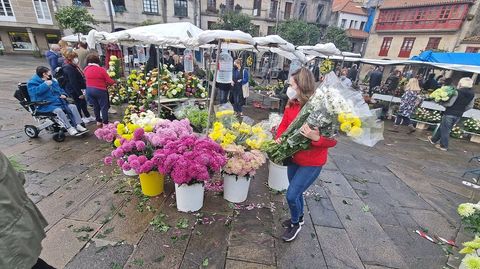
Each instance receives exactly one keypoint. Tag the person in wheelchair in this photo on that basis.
(42, 87)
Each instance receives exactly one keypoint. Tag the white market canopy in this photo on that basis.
(75, 38)
(165, 34)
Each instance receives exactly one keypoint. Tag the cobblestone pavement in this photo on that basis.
(362, 211)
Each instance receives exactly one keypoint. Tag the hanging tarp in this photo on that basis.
(460, 58)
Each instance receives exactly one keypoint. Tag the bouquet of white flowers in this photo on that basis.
(333, 107)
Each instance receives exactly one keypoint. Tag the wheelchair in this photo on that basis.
(45, 120)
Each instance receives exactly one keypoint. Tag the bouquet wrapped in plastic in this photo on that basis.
(443, 94)
(333, 107)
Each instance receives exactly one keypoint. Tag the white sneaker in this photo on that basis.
(80, 128)
(72, 131)
(85, 120)
(91, 119)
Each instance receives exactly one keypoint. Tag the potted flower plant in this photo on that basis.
(137, 154)
(470, 214)
(190, 162)
(472, 126)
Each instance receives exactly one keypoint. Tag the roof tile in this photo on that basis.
(355, 33)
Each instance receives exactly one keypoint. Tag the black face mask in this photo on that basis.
(49, 77)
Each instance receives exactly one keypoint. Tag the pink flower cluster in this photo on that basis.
(190, 159)
(107, 132)
(243, 163)
(167, 131)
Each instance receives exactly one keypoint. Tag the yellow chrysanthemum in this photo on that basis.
(236, 125)
(116, 143)
(345, 127)
(113, 58)
(341, 118)
(349, 117)
(148, 128)
(111, 74)
(355, 131)
(128, 136)
(357, 122)
(466, 250)
(121, 129)
(472, 244)
(257, 130)
(228, 112)
(472, 262)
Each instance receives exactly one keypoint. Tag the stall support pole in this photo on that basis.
(158, 80)
(212, 96)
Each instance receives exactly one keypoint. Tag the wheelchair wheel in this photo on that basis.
(59, 137)
(31, 131)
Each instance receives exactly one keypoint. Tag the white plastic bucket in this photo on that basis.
(235, 188)
(189, 197)
(130, 173)
(277, 177)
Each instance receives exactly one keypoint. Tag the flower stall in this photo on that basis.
(472, 127)
(470, 215)
(426, 117)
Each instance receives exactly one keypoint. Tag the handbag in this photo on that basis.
(245, 90)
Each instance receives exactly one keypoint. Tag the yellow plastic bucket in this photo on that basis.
(151, 183)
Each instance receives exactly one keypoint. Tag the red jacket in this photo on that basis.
(97, 77)
(317, 154)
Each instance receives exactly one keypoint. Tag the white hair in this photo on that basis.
(465, 82)
(54, 47)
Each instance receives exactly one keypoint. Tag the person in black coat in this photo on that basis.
(375, 79)
(352, 73)
(75, 83)
(431, 83)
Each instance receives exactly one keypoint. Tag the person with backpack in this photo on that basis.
(74, 81)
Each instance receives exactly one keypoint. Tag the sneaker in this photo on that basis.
(411, 129)
(291, 232)
(80, 128)
(72, 131)
(91, 119)
(430, 140)
(287, 222)
(441, 148)
(85, 120)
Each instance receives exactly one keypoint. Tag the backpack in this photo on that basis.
(60, 77)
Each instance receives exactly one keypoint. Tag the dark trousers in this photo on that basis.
(237, 98)
(99, 99)
(223, 94)
(443, 133)
(403, 120)
(82, 107)
(41, 264)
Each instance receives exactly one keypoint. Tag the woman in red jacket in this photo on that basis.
(97, 93)
(304, 166)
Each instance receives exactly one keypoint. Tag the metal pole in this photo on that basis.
(158, 80)
(212, 97)
(110, 13)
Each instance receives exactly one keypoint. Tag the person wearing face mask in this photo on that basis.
(305, 166)
(42, 87)
(75, 84)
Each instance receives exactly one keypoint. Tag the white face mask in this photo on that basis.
(75, 61)
(291, 93)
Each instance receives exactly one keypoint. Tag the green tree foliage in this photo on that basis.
(76, 18)
(338, 37)
(235, 21)
(299, 32)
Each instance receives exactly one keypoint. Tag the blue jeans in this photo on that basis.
(62, 116)
(300, 178)
(99, 99)
(443, 133)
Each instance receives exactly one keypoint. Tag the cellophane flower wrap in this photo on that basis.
(243, 163)
(333, 107)
(190, 160)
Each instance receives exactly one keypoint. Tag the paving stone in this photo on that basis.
(304, 251)
(330, 165)
(380, 203)
(104, 257)
(65, 200)
(207, 242)
(334, 242)
(158, 249)
(233, 264)
(251, 237)
(349, 165)
(63, 243)
(214, 203)
(364, 230)
(336, 184)
(101, 205)
(323, 213)
(434, 222)
(417, 252)
(20, 148)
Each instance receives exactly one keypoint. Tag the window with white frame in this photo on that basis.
(6, 11)
(150, 6)
(180, 8)
(43, 11)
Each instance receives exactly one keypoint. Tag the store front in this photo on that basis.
(26, 40)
